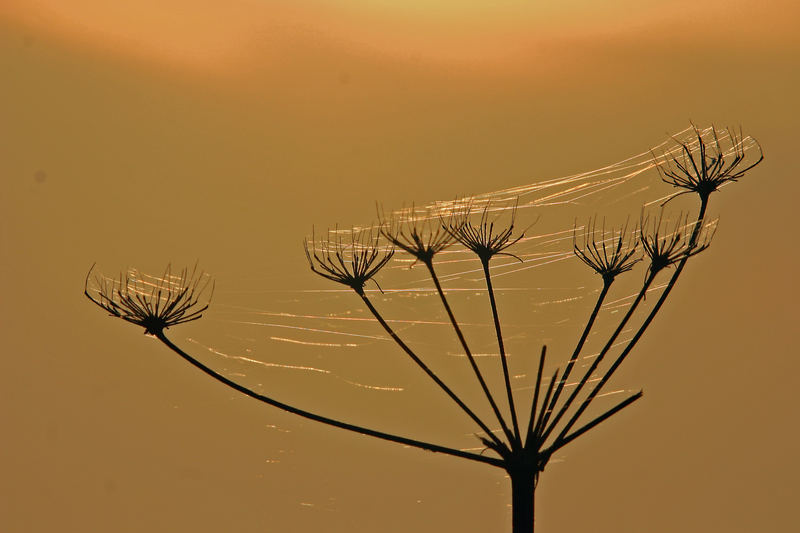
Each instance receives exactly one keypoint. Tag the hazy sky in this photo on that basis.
(220, 132)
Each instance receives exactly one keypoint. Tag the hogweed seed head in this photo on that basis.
(705, 165)
(352, 261)
(481, 237)
(420, 235)
(154, 303)
(607, 253)
(665, 247)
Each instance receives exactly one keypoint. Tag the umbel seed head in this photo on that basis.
(420, 234)
(481, 236)
(709, 161)
(665, 246)
(607, 253)
(350, 257)
(154, 303)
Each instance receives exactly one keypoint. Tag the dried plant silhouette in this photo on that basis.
(527, 438)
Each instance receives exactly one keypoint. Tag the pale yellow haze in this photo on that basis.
(234, 36)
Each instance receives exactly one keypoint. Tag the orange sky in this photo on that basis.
(234, 36)
(178, 131)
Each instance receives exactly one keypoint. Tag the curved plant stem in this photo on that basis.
(323, 419)
(487, 275)
(428, 371)
(471, 358)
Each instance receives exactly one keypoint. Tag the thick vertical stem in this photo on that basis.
(523, 485)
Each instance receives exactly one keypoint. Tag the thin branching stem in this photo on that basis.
(465, 346)
(698, 225)
(535, 402)
(571, 363)
(428, 371)
(501, 346)
(323, 419)
(597, 360)
(608, 414)
(537, 428)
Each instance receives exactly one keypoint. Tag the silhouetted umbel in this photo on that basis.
(522, 446)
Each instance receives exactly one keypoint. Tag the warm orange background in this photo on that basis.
(171, 131)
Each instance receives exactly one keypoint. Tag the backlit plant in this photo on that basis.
(557, 416)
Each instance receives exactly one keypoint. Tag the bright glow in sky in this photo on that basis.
(234, 35)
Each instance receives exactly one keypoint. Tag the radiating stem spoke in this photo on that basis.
(502, 348)
(428, 371)
(529, 434)
(597, 360)
(468, 352)
(323, 419)
(589, 324)
(653, 312)
(563, 441)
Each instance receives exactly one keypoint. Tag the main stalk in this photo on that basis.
(523, 485)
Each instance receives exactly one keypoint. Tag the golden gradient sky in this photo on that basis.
(177, 130)
(238, 35)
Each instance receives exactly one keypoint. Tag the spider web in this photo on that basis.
(319, 348)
